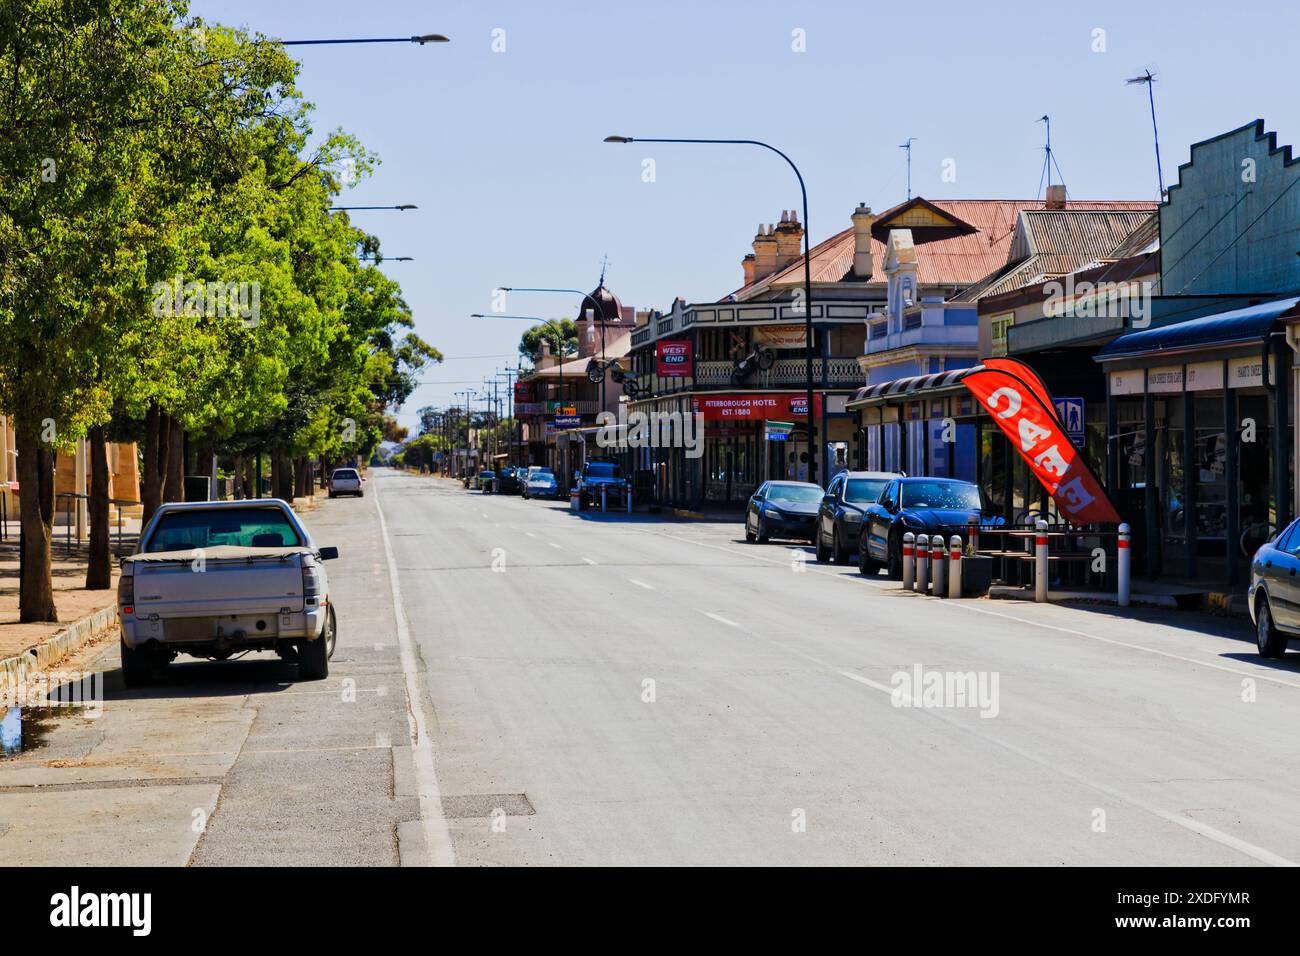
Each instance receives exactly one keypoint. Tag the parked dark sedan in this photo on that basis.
(1274, 593)
(839, 520)
(783, 509)
(507, 481)
(919, 505)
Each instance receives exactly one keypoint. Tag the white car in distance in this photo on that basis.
(346, 481)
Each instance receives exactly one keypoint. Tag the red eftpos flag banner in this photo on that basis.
(1013, 394)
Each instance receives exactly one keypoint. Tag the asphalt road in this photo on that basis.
(772, 735)
(587, 689)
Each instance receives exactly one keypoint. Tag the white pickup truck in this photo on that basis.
(216, 578)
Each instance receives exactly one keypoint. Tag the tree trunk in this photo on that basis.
(99, 570)
(36, 511)
(250, 475)
(302, 477)
(237, 477)
(174, 483)
(155, 461)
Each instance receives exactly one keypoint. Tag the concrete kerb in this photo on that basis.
(17, 669)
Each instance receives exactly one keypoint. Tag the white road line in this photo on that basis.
(640, 584)
(529, 534)
(971, 606)
(589, 561)
(720, 619)
(556, 546)
(1136, 647)
(1187, 823)
(437, 836)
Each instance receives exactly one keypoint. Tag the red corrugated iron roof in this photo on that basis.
(945, 256)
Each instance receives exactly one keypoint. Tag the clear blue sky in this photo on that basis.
(502, 151)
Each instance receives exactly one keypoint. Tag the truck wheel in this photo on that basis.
(314, 656)
(138, 666)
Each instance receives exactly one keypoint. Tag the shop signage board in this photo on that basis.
(779, 336)
(1204, 376)
(1247, 372)
(756, 406)
(1164, 380)
(1128, 382)
(779, 431)
(568, 421)
(674, 358)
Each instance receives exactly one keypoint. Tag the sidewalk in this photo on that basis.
(71, 598)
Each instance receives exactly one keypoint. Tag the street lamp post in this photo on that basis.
(401, 208)
(421, 40)
(807, 271)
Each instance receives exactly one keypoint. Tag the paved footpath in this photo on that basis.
(575, 689)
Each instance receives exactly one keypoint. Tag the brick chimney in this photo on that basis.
(1055, 197)
(789, 234)
(863, 217)
(764, 253)
(748, 265)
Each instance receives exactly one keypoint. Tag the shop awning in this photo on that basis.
(904, 387)
(1225, 329)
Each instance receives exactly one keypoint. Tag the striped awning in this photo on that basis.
(917, 386)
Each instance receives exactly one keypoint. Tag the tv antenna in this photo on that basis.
(1049, 161)
(908, 146)
(1148, 79)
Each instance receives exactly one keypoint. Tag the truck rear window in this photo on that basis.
(212, 528)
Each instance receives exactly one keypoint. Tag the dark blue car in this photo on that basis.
(783, 509)
(919, 505)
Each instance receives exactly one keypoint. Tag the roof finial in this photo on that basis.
(604, 261)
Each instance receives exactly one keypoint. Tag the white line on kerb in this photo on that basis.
(589, 561)
(556, 546)
(720, 619)
(437, 836)
(640, 584)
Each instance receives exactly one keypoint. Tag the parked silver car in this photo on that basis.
(217, 578)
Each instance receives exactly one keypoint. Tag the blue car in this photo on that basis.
(919, 505)
(783, 509)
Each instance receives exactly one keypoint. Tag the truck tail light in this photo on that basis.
(310, 581)
(126, 593)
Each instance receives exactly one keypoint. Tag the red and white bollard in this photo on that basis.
(1040, 561)
(973, 534)
(604, 492)
(1123, 559)
(629, 499)
(922, 564)
(937, 566)
(909, 561)
(954, 566)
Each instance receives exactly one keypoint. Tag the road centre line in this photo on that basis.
(970, 606)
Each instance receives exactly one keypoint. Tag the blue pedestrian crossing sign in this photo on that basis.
(1070, 412)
